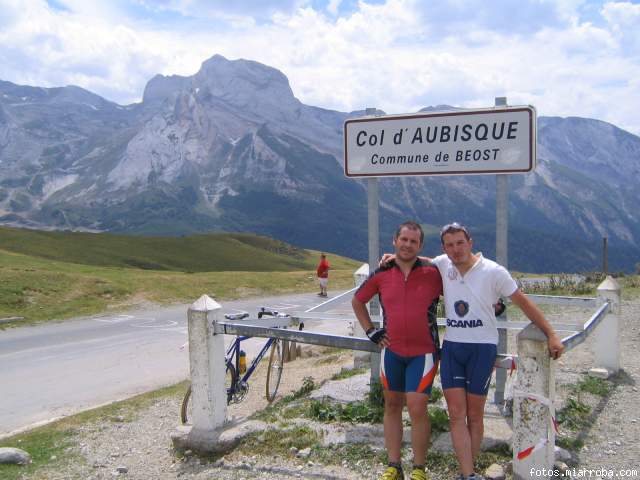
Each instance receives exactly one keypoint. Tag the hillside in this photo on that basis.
(59, 275)
(197, 253)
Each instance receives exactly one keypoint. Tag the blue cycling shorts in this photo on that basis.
(468, 366)
(407, 374)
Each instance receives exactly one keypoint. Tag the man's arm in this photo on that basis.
(390, 257)
(362, 314)
(536, 316)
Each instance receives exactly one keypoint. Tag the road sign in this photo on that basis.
(457, 142)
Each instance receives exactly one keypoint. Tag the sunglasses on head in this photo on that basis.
(453, 227)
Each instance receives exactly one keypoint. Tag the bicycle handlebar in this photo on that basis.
(271, 313)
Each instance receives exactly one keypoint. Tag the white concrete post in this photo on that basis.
(533, 434)
(607, 333)
(360, 359)
(207, 365)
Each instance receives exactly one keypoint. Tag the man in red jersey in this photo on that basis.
(408, 290)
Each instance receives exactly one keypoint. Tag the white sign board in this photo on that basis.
(491, 140)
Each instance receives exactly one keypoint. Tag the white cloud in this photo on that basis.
(569, 57)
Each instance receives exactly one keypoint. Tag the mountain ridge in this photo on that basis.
(231, 148)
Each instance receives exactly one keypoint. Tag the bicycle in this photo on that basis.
(236, 386)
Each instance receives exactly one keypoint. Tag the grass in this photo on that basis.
(348, 373)
(49, 445)
(565, 284)
(279, 442)
(196, 253)
(446, 464)
(41, 289)
(351, 453)
(630, 285)
(596, 386)
(574, 415)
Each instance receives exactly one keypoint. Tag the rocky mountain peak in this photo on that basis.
(161, 87)
(245, 84)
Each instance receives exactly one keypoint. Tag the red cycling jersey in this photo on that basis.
(405, 305)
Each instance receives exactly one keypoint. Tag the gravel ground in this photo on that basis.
(612, 442)
(143, 447)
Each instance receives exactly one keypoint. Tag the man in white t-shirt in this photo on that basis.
(472, 285)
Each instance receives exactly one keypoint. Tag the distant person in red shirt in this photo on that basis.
(323, 274)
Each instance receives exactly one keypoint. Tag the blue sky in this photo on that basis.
(566, 57)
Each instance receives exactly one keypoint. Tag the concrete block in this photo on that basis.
(599, 373)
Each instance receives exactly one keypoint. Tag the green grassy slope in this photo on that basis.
(197, 253)
(54, 275)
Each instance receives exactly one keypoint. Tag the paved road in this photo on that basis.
(53, 370)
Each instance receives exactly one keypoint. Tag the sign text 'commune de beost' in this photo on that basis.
(492, 140)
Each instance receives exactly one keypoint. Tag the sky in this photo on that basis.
(565, 57)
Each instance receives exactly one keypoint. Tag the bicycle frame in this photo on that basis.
(233, 355)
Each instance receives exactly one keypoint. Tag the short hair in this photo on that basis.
(454, 227)
(411, 225)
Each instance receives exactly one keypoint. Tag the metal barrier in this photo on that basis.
(534, 393)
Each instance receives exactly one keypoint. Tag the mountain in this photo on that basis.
(231, 148)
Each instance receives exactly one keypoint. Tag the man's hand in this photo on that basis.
(555, 346)
(378, 336)
(386, 259)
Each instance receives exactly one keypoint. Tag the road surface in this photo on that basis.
(54, 370)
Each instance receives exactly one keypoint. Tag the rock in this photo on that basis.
(14, 456)
(122, 469)
(562, 454)
(508, 468)
(293, 450)
(599, 373)
(560, 467)
(347, 390)
(304, 453)
(495, 472)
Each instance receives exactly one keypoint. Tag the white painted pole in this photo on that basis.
(533, 437)
(607, 333)
(502, 214)
(207, 365)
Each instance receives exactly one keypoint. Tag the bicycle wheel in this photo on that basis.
(230, 381)
(274, 371)
(229, 384)
(184, 406)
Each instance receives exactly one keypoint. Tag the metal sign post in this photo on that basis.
(502, 226)
(373, 203)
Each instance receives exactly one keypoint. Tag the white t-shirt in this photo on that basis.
(469, 300)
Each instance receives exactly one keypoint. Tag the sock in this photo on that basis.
(419, 467)
(397, 465)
